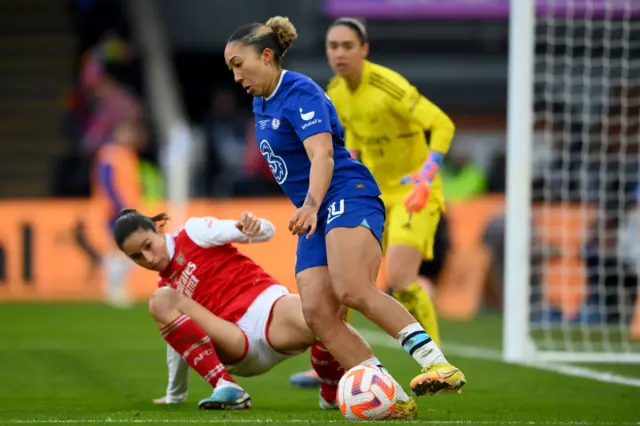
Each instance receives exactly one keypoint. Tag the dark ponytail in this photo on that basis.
(129, 221)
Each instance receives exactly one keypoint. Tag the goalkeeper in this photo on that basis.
(385, 120)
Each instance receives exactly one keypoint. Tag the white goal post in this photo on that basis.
(573, 182)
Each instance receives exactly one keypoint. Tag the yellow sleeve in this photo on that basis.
(415, 107)
(350, 141)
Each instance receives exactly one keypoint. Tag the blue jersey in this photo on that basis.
(298, 109)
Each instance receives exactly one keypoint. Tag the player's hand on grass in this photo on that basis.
(304, 219)
(164, 400)
(248, 224)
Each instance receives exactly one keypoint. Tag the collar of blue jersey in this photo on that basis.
(277, 87)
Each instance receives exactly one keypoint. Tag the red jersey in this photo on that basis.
(205, 266)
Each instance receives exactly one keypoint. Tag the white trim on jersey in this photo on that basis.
(277, 87)
(171, 245)
(209, 231)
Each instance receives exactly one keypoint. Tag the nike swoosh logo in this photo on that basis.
(332, 218)
(306, 116)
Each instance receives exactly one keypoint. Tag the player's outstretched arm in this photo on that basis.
(209, 231)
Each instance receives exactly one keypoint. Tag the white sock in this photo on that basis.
(400, 393)
(419, 345)
(222, 383)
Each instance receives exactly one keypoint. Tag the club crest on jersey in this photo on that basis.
(180, 259)
(275, 123)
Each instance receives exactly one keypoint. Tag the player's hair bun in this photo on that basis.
(284, 31)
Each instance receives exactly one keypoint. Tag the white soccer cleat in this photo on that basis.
(327, 405)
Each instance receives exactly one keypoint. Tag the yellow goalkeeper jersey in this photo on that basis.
(385, 121)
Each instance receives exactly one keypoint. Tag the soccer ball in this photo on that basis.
(366, 393)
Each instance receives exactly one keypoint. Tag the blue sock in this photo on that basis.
(415, 341)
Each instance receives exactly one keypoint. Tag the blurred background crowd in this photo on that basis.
(77, 84)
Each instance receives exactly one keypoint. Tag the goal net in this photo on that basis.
(583, 124)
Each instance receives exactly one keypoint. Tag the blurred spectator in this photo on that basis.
(117, 185)
(629, 254)
(225, 128)
(234, 166)
(94, 18)
(98, 103)
(558, 144)
(613, 186)
(493, 238)
(461, 179)
(112, 104)
(497, 178)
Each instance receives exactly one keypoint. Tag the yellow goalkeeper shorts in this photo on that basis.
(416, 230)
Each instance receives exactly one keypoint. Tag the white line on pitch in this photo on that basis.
(474, 352)
(316, 421)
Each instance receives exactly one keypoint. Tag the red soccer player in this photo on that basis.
(219, 311)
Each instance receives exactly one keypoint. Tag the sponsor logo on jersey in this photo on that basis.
(311, 123)
(188, 282)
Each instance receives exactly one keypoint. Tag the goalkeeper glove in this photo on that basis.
(421, 180)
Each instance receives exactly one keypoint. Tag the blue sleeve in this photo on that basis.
(106, 176)
(308, 113)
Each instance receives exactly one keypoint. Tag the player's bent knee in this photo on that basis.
(162, 303)
(355, 300)
(312, 312)
(319, 317)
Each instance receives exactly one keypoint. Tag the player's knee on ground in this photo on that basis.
(163, 305)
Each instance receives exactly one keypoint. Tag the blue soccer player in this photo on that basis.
(339, 218)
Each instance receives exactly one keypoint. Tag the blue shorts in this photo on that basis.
(339, 213)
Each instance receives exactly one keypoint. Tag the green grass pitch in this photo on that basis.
(91, 364)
